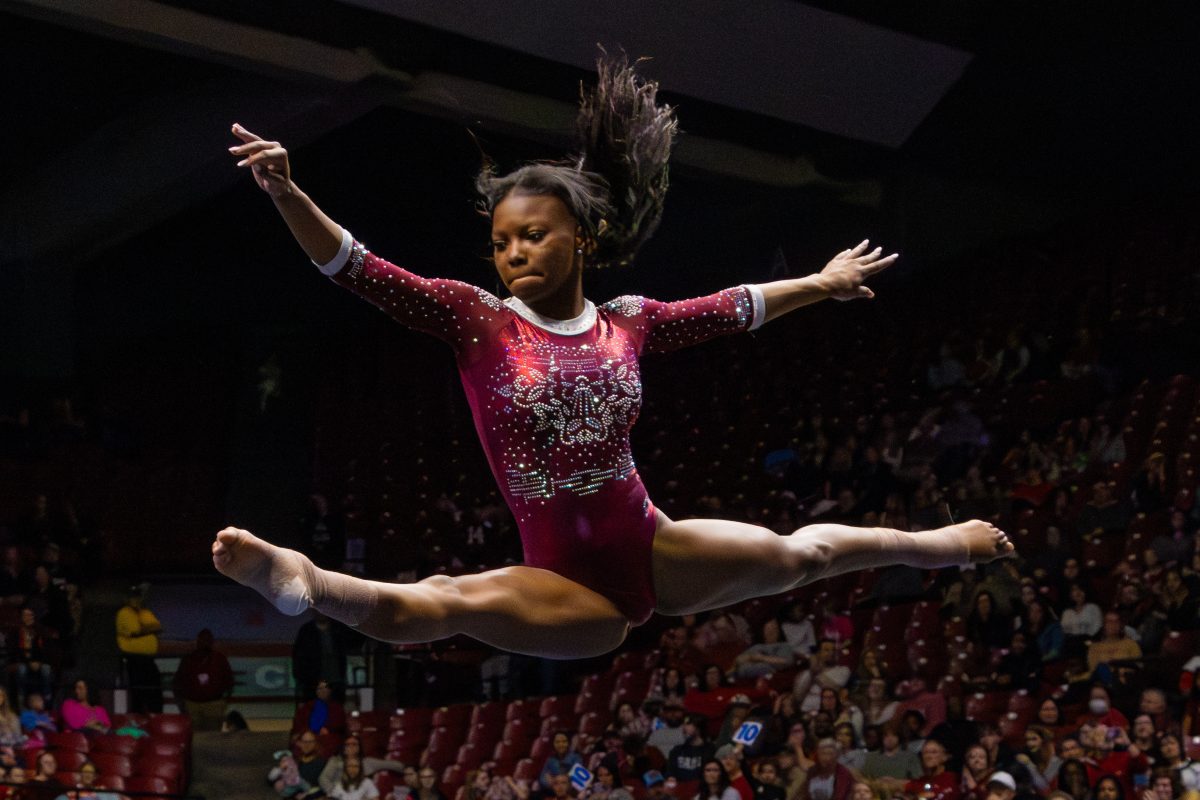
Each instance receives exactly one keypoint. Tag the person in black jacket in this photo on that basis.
(320, 652)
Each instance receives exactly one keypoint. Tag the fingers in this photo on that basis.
(871, 267)
(243, 134)
(263, 155)
(862, 247)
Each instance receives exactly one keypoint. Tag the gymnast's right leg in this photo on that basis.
(518, 609)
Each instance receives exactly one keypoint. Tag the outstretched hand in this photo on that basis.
(844, 275)
(268, 162)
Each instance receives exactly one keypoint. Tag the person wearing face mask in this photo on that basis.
(1100, 710)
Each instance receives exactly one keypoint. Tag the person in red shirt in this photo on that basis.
(937, 783)
(204, 682)
(730, 757)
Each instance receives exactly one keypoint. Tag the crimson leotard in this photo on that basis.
(553, 403)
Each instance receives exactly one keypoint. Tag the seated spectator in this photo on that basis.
(889, 768)
(1081, 619)
(672, 687)
(798, 630)
(352, 783)
(827, 779)
(878, 707)
(352, 749)
(1108, 788)
(930, 705)
(934, 783)
(322, 715)
(30, 659)
(721, 628)
(308, 758)
(1039, 622)
(1021, 667)
(766, 782)
(1039, 758)
(1150, 490)
(771, 655)
(605, 781)
(11, 734)
(427, 788)
(714, 783)
(631, 722)
(1172, 755)
(823, 672)
(204, 682)
(1174, 547)
(850, 755)
(88, 787)
(975, 773)
(1101, 711)
(1109, 747)
(560, 760)
(45, 769)
(870, 666)
(731, 756)
(671, 733)
(1163, 786)
(1154, 703)
(1073, 778)
(80, 714)
(1143, 733)
(1000, 786)
(685, 760)
(1103, 514)
(1177, 602)
(285, 776)
(36, 722)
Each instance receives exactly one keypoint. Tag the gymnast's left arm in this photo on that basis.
(842, 279)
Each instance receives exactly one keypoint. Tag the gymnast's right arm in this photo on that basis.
(451, 310)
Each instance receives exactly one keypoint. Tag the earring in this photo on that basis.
(578, 251)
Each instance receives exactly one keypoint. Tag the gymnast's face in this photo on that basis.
(534, 239)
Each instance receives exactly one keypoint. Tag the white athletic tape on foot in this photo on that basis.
(293, 598)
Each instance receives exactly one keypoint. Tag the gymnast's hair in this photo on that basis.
(616, 184)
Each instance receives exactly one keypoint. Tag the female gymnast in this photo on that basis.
(554, 387)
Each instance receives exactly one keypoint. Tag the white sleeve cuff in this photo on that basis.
(760, 306)
(343, 255)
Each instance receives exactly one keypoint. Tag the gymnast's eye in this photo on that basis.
(535, 236)
(498, 245)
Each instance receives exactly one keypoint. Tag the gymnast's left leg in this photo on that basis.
(701, 564)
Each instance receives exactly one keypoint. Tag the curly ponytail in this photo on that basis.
(616, 185)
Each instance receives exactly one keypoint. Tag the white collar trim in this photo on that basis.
(567, 327)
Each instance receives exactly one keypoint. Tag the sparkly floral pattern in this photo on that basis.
(554, 409)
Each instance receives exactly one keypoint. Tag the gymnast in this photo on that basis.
(554, 387)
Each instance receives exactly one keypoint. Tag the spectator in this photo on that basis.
(737, 713)
(730, 756)
(32, 651)
(319, 645)
(1114, 645)
(322, 715)
(935, 782)
(45, 771)
(1038, 621)
(427, 789)
(1103, 515)
(772, 655)
(1107, 446)
(671, 734)
(766, 782)
(827, 779)
(1174, 547)
(1073, 778)
(11, 734)
(1177, 602)
(850, 755)
(1172, 755)
(204, 682)
(671, 688)
(1049, 714)
(36, 723)
(1162, 787)
(88, 787)
(1150, 485)
(352, 783)
(1154, 703)
(285, 776)
(1021, 667)
(309, 762)
(560, 788)
(891, 767)
(975, 773)
(352, 750)
(137, 639)
(1039, 759)
(1081, 619)
(1000, 786)
(1109, 747)
(823, 672)
(798, 630)
(1109, 788)
(714, 783)
(631, 722)
(878, 707)
(1101, 711)
(560, 760)
(685, 761)
(80, 714)
(1143, 734)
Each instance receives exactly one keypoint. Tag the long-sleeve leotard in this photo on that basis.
(553, 403)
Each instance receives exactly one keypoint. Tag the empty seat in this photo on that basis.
(113, 764)
(68, 740)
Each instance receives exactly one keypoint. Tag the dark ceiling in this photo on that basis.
(111, 103)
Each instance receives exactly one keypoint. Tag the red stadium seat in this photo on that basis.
(587, 702)
(526, 770)
(557, 706)
(170, 725)
(519, 730)
(455, 717)
(485, 734)
(506, 755)
(452, 778)
(593, 724)
(115, 743)
(470, 757)
(1023, 704)
(68, 740)
(113, 764)
(113, 782)
(489, 713)
(442, 748)
(541, 750)
(168, 769)
(152, 787)
(411, 719)
(525, 710)
(386, 782)
(69, 760)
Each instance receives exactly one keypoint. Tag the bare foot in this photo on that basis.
(277, 574)
(985, 542)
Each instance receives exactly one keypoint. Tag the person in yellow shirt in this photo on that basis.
(137, 639)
